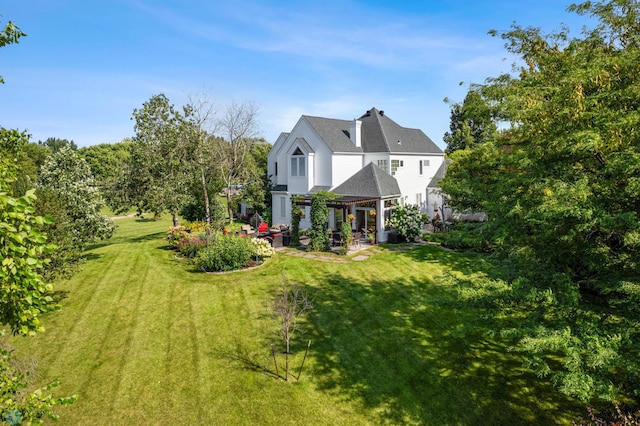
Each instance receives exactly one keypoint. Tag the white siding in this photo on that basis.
(345, 166)
(410, 180)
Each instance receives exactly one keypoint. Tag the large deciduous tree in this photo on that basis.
(562, 190)
(159, 173)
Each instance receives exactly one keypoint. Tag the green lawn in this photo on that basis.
(142, 338)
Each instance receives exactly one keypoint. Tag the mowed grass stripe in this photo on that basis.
(145, 339)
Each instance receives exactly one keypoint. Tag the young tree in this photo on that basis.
(562, 190)
(289, 304)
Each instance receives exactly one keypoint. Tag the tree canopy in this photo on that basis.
(158, 175)
(472, 122)
(561, 186)
(24, 295)
(67, 192)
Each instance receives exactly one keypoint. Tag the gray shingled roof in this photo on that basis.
(319, 188)
(370, 181)
(442, 171)
(382, 134)
(379, 134)
(335, 133)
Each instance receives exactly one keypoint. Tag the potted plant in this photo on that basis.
(371, 236)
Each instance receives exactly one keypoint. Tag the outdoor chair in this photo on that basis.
(355, 239)
(275, 240)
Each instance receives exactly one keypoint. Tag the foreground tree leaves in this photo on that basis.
(561, 186)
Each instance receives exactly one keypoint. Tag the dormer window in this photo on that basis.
(298, 164)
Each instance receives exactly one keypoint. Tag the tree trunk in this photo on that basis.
(286, 363)
(229, 208)
(175, 218)
(205, 193)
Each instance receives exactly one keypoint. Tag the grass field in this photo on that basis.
(142, 338)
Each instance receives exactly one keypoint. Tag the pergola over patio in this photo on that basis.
(370, 191)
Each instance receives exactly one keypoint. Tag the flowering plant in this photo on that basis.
(263, 248)
(175, 234)
(372, 213)
(350, 217)
(407, 220)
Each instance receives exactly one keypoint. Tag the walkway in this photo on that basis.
(361, 251)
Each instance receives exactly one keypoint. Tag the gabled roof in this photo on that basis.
(440, 173)
(378, 134)
(334, 133)
(305, 145)
(370, 181)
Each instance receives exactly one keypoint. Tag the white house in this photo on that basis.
(372, 163)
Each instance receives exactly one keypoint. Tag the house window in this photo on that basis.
(419, 199)
(283, 206)
(423, 164)
(384, 165)
(395, 165)
(298, 164)
(276, 168)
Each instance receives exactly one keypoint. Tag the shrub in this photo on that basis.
(189, 247)
(407, 220)
(196, 227)
(225, 253)
(466, 236)
(175, 234)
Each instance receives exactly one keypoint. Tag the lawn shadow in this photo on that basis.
(148, 237)
(58, 296)
(91, 256)
(413, 351)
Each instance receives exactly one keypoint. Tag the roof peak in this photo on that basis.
(373, 111)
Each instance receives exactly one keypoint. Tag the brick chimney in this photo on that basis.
(355, 132)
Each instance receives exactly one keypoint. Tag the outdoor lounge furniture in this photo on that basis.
(355, 239)
(247, 231)
(275, 240)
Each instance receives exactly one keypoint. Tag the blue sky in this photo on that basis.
(85, 65)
